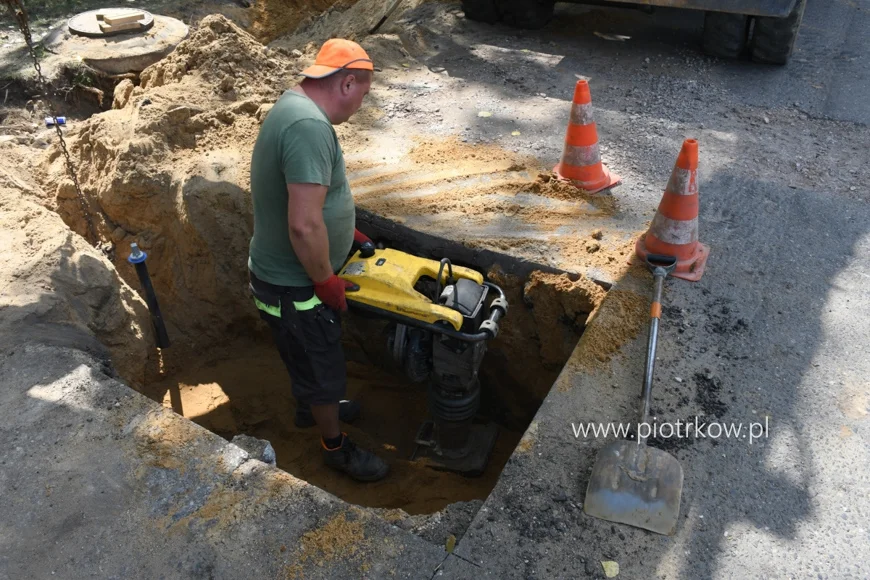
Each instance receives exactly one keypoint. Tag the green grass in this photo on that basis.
(81, 76)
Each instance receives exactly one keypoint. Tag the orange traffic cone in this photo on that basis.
(674, 229)
(581, 161)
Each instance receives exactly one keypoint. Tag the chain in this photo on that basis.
(20, 15)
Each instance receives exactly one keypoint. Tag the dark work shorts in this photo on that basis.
(309, 342)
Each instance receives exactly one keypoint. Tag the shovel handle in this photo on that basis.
(660, 266)
(658, 283)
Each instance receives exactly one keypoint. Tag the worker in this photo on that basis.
(304, 228)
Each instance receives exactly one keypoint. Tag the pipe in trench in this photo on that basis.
(137, 258)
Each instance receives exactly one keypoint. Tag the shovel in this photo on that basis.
(631, 483)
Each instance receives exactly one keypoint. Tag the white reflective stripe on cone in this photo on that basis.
(676, 232)
(581, 156)
(581, 114)
(682, 182)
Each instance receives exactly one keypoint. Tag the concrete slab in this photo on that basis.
(111, 484)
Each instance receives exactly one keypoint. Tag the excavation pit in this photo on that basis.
(189, 207)
(242, 387)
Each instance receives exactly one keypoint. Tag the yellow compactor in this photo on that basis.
(443, 316)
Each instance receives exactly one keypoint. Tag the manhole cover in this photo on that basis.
(110, 21)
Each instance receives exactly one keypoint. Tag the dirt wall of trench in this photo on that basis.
(56, 288)
(168, 168)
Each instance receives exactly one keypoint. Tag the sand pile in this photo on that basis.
(351, 19)
(483, 181)
(52, 279)
(272, 18)
(221, 55)
(168, 168)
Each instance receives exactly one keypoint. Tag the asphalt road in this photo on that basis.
(828, 73)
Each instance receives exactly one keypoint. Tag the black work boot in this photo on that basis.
(348, 412)
(358, 463)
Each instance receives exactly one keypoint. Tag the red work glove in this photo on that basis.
(360, 238)
(331, 292)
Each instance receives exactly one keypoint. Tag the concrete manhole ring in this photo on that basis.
(126, 51)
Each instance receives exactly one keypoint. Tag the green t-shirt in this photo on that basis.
(296, 144)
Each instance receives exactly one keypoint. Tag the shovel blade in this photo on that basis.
(636, 485)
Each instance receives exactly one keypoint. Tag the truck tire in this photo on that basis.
(773, 38)
(531, 14)
(725, 34)
(481, 10)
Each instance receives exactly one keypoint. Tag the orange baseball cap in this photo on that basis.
(337, 54)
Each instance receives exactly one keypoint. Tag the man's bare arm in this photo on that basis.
(307, 230)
